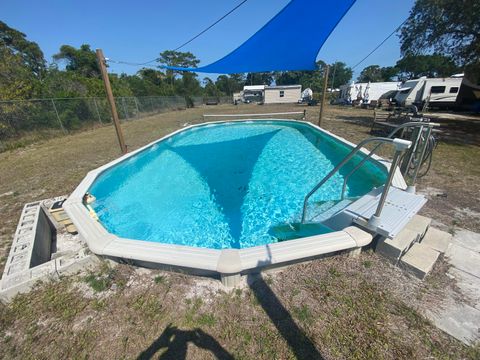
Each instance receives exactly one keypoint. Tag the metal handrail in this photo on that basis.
(400, 146)
(413, 124)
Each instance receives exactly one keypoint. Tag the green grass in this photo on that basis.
(303, 314)
(98, 283)
(159, 279)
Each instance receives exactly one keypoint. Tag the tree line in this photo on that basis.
(440, 38)
(74, 72)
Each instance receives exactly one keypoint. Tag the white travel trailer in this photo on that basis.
(438, 92)
(373, 91)
(351, 92)
(366, 92)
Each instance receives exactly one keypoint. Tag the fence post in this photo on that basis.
(98, 112)
(124, 108)
(58, 117)
(151, 104)
(136, 105)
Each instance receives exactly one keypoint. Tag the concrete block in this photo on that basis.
(419, 259)
(437, 239)
(394, 248)
(420, 224)
(73, 265)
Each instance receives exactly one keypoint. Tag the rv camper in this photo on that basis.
(469, 97)
(365, 92)
(253, 93)
(441, 92)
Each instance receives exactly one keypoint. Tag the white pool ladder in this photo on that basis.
(400, 146)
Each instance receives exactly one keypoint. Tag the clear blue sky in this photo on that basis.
(137, 31)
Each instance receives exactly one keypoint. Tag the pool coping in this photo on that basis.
(229, 263)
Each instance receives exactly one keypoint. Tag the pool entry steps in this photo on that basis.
(416, 247)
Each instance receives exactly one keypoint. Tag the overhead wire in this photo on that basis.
(379, 45)
(185, 43)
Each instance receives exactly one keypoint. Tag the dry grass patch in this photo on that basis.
(336, 308)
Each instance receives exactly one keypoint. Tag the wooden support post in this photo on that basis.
(324, 96)
(111, 100)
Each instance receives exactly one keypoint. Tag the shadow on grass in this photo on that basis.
(297, 340)
(175, 342)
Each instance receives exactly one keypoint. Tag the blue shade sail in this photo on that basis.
(289, 41)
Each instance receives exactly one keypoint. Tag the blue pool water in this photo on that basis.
(225, 185)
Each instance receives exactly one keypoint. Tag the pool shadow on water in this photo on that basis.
(298, 342)
(176, 341)
(227, 166)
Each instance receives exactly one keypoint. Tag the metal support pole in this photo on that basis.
(324, 96)
(111, 100)
(58, 117)
(416, 136)
(375, 219)
(411, 187)
(98, 112)
(304, 115)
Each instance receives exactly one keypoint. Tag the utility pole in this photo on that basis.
(324, 96)
(333, 75)
(111, 100)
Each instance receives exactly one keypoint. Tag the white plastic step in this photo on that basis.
(437, 239)
(394, 248)
(420, 259)
(399, 208)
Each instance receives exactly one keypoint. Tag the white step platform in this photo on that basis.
(400, 207)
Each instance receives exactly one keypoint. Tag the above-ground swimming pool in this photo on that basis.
(225, 198)
(227, 185)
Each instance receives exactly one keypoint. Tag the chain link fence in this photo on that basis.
(67, 114)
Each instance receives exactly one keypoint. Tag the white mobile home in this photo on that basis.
(282, 94)
(439, 92)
